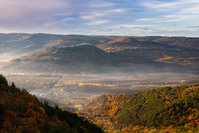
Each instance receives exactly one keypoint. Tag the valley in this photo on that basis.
(99, 66)
(96, 76)
(70, 91)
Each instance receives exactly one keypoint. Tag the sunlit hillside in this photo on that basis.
(168, 109)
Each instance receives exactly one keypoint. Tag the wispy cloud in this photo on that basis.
(119, 17)
(177, 4)
(59, 22)
(180, 13)
(97, 22)
(26, 13)
(97, 14)
(13, 11)
(193, 9)
(130, 26)
(101, 17)
(168, 18)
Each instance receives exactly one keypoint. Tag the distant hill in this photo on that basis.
(131, 50)
(69, 59)
(130, 43)
(168, 109)
(186, 42)
(21, 112)
(18, 44)
(124, 53)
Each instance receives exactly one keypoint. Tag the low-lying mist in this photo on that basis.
(71, 90)
(69, 84)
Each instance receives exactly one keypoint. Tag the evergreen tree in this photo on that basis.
(3, 80)
(13, 85)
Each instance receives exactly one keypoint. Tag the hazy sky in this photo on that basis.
(101, 17)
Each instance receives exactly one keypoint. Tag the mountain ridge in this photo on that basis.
(124, 52)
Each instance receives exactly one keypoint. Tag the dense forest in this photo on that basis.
(22, 112)
(168, 109)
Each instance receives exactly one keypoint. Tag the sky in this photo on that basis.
(101, 17)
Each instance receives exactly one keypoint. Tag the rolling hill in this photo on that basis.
(131, 50)
(69, 59)
(168, 109)
(186, 42)
(125, 54)
(17, 44)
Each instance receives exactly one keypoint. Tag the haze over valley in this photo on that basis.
(99, 66)
(69, 69)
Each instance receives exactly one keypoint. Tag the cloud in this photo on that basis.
(169, 5)
(148, 19)
(15, 10)
(59, 22)
(97, 14)
(168, 18)
(194, 9)
(41, 15)
(97, 22)
(119, 17)
(171, 11)
(26, 13)
(101, 17)
(130, 26)
(182, 6)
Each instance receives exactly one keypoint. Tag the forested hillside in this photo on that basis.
(22, 112)
(173, 109)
